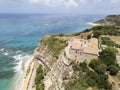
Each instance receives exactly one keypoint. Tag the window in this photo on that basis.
(76, 51)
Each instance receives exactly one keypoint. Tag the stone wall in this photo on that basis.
(81, 56)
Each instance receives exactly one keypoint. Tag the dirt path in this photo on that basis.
(27, 80)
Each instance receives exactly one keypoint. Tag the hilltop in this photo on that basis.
(109, 20)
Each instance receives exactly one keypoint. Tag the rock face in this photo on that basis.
(58, 71)
(109, 20)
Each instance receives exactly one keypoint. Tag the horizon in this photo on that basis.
(60, 6)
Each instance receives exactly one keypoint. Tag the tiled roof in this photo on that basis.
(79, 44)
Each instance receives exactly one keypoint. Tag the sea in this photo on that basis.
(21, 33)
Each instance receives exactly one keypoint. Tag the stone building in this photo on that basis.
(83, 50)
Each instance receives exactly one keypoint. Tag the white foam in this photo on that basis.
(2, 49)
(17, 52)
(20, 59)
(6, 53)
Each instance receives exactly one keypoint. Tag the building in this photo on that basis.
(83, 50)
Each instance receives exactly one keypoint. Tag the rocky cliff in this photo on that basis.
(58, 68)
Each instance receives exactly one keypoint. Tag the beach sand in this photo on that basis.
(94, 24)
(26, 81)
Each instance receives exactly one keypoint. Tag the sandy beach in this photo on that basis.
(26, 79)
(94, 24)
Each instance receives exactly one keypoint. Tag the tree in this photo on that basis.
(94, 63)
(89, 36)
(113, 69)
(84, 67)
(101, 69)
(108, 56)
(61, 34)
(97, 34)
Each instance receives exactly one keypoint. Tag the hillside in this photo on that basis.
(60, 71)
(109, 20)
(87, 60)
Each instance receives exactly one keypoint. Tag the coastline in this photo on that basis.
(94, 24)
(24, 78)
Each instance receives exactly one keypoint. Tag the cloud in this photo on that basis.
(115, 1)
(71, 3)
(56, 3)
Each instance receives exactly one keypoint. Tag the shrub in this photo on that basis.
(108, 56)
(107, 41)
(40, 86)
(89, 36)
(39, 78)
(61, 34)
(94, 63)
(91, 82)
(84, 66)
(55, 45)
(102, 82)
(75, 66)
(101, 69)
(99, 80)
(113, 69)
(105, 30)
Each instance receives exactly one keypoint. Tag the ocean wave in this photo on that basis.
(1, 49)
(19, 61)
(18, 58)
(6, 53)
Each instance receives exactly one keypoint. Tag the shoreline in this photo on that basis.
(24, 79)
(94, 24)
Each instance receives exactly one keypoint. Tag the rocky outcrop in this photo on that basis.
(58, 70)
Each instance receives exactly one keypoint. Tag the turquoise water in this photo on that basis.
(20, 34)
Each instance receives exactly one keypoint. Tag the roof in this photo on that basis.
(76, 43)
(79, 44)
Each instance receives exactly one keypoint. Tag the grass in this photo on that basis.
(54, 44)
(39, 78)
(111, 41)
(115, 39)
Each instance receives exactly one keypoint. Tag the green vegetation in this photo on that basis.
(107, 41)
(78, 80)
(95, 74)
(54, 44)
(101, 21)
(84, 66)
(78, 84)
(105, 30)
(108, 56)
(99, 76)
(89, 78)
(98, 66)
(113, 69)
(39, 78)
(110, 20)
(98, 80)
(88, 36)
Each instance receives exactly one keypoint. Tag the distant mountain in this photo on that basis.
(109, 20)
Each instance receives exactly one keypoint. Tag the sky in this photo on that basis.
(61, 6)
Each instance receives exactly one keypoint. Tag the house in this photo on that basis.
(82, 49)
